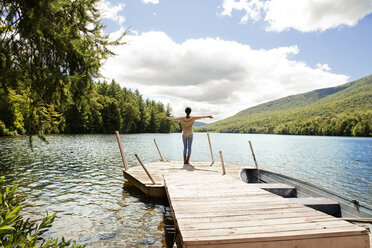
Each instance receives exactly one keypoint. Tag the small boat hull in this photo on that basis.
(310, 194)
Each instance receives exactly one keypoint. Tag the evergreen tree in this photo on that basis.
(142, 121)
(154, 120)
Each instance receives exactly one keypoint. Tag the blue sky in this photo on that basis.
(220, 57)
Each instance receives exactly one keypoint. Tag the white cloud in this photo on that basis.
(213, 75)
(302, 15)
(252, 9)
(323, 67)
(151, 1)
(109, 11)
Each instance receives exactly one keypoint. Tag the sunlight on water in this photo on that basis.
(80, 177)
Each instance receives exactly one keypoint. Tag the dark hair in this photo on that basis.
(188, 111)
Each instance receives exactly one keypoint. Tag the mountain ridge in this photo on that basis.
(341, 110)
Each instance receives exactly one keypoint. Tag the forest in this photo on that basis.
(103, 109)
(356, 124)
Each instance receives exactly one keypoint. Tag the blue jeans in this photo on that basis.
(187, 141)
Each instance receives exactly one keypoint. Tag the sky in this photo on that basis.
(222, 56)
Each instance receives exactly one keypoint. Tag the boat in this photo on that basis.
(308, 194)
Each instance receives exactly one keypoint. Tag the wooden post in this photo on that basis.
(143, 166)
(222, 164)
(161, 157)
(255, 162)
(121, 151)
(210, 147)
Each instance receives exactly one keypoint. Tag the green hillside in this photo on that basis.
(344, 110)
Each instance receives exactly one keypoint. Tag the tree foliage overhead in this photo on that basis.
(345, 110)
(50, 53)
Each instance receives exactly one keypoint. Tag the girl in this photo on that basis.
(187, 123)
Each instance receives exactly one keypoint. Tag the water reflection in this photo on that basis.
(166, 226)
(80, 177)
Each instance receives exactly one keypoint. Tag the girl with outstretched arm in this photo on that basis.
(187, 122)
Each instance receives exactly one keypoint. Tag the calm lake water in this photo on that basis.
(80, 177)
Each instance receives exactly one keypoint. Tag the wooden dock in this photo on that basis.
(211, 210)
(137, 176)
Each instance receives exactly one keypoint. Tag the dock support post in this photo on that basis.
(222, 164)
(144, 168)
(255, 162)
(161, 157)
(121, 151)
(210, 147)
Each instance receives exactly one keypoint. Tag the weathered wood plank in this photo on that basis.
(255, 216)
(202, 225)
(324, 226)
(239, 208)
(340, 242)
(266, 235)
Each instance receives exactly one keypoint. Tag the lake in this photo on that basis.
(80, 177)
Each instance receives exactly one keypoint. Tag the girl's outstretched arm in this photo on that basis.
(203, 117)
(171, 118)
